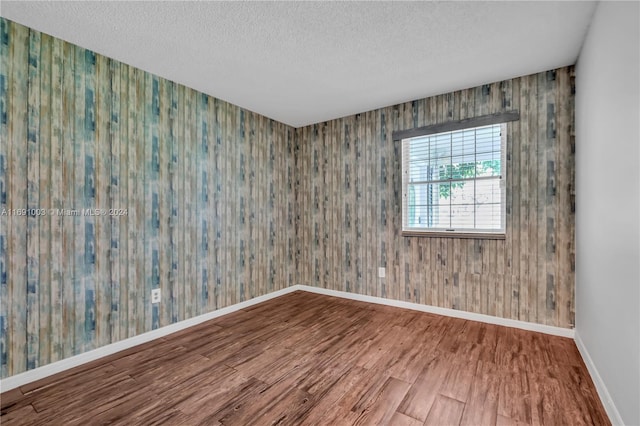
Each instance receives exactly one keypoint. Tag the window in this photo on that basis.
(453, 180)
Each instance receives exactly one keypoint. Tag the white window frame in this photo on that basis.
(406, 136)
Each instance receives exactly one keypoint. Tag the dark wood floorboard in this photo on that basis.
(308, 359)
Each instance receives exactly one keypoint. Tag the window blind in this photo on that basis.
(454, 181)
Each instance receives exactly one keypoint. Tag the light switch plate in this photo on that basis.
(382, 272)
(155, 295)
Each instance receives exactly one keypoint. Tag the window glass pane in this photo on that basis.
(462, 216)
(457, 144)
(461, 192)
(488, 216)
(463, 167)
(418, 148)
(488, 191)
(442, 192)
(453, 180)
(469, 141)
(484, 139)
(425, 205)
(488, 168)
(445, 171)
(432, 216)
(441, 168)
(441, 216)
(418, 171)
(462, 204)
(441, 145)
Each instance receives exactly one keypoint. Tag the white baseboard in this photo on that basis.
(601, 388)
(29, 376)
(83, 358)
(547, 329)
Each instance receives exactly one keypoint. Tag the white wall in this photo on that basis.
(607, 206)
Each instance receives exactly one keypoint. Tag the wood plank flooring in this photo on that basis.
(310, 359)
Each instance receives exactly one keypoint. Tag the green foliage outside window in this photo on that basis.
(465, 171)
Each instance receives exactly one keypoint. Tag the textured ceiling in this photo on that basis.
(306, 62)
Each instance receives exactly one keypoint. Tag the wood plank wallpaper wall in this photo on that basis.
(223, 205)
(348, 207)
(207, 188)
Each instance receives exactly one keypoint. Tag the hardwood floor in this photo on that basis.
(310, 359)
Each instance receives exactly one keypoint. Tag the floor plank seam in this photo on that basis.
(314, 358)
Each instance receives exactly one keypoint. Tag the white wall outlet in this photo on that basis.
(155, 295)
(382, 272)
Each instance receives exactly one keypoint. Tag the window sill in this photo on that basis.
(436, 234)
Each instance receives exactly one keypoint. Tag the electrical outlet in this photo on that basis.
(155, 295)
(382, 272)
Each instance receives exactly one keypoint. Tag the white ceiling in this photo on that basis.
(306, 62)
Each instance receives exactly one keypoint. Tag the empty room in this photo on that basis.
(320, 213)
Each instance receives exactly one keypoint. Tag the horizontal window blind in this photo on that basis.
(453, 181)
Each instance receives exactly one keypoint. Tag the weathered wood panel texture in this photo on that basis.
(204, 184)
(224, 205)
(348, 202)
